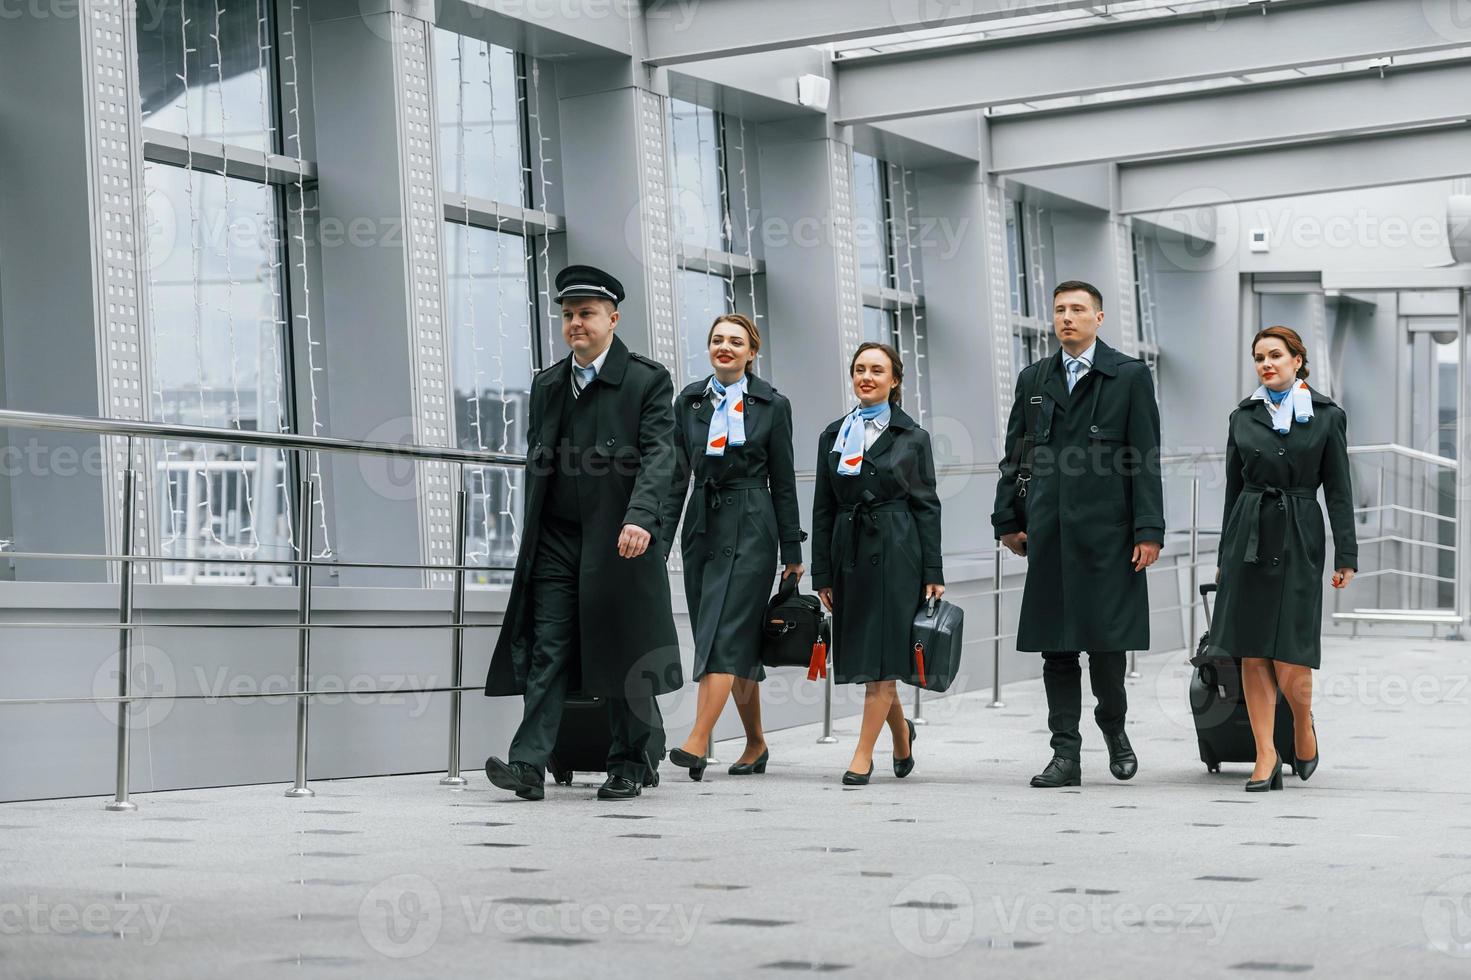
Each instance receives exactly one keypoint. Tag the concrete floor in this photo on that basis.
(1364, 871)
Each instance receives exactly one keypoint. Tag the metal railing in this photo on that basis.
(1413, 525)
(303, 564)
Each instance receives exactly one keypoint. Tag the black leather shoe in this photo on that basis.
(750, 768)
(905, 766)
(1121, 759)
(1274, 781)
(518, 777)
(851, 778)
(1059, 772)
(618, 788)
(1305, 767)
(688, 760)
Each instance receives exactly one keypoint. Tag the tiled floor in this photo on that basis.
(960, 869)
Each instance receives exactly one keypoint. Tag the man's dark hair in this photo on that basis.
(1076, 285)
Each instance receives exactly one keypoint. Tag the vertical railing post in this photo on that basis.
(1379, 548)
(996, 701)
(457, 643)
(299, 787)
(120, 801)
(710, 759)
(827, 737)
(1194, 596)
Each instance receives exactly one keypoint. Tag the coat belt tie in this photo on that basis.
(707, 495)
(860, 518)
(1264, 493)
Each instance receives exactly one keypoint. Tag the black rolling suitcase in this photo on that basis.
(1222, 727)
(583, 740)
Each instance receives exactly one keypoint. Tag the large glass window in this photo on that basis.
(1027, 254)
(491, 296)
(701, 299)
(216, 292)
(699, 212)
(871, 225)
(481, 139)
(206, 69)
(706, 285)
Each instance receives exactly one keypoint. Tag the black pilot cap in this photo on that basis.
(577, 281)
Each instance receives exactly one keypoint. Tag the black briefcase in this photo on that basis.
(936, 639)
(794, 626)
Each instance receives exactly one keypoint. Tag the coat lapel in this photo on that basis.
(897, 420)
(1056, 383)
(558, 386)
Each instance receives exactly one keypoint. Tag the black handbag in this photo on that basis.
(936, 639)
(795, 631)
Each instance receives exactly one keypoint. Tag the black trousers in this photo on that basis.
(636, 726)
(1062, 677)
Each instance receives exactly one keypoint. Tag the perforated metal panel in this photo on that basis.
(424, 211)
(998, 293)
(657, 237)
(115, 155)
(845, 252)
(1126, 310)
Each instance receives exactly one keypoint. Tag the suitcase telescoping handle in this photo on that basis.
(1206, 588)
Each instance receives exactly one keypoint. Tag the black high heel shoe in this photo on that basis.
(905, 766)
(851, 778)
(1306, 767)
(750, 768)
(1274, 781)
(688, 760)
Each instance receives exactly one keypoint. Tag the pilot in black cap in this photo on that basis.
(584, 280)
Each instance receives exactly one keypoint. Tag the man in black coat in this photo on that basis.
(1089, 521)
(589, 608)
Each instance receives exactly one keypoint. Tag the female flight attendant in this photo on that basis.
(733, 431)
(1284, 442)
(876, 548)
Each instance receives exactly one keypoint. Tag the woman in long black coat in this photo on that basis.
(733, 432)
(1285, 441)
(876, 547)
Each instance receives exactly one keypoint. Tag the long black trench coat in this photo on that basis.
(876, 544)
(628, 645)
(1096, 492)
(1270, 602)
(741, 516)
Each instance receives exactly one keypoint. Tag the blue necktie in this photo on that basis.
(1075, 368)
(583, 377)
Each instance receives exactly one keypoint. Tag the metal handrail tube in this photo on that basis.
(1406, 452)
(288, 562)
(1405, 510)
(244, 696)
(5, 624)
(1401, 539)
(240, 437)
